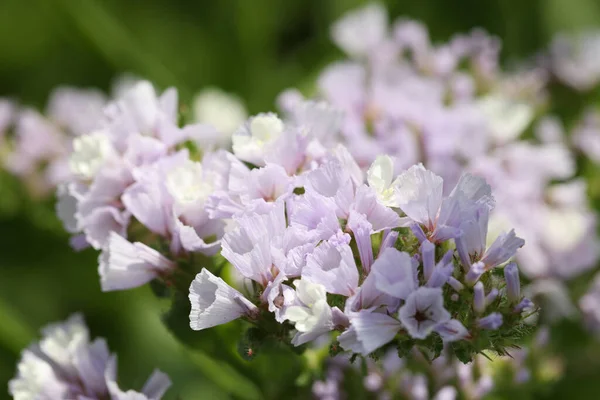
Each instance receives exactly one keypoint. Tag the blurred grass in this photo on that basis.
(252, 48)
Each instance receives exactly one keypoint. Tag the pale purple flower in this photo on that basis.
(479, 302)
(502, 249)
(332, 265)
(369, 296)
(379, 216)
(314, 213)
(442, 271)
(248, 244)
(65, 363)
(368, 331)
(586, 136)
(362, 229)
(513, 285)
(214, 302)
(79, 111)
(575, 59)
(395, 273)
(125, 265)
(492, 321)
(423, 311)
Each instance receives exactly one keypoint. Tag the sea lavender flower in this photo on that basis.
(423, 311)
(125, 265)
(312, 316)
(214, 302)
(66, 364)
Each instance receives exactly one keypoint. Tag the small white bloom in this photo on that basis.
(507, 118)
(419, 193)
(249, 142)
(380, 177)
(224, 111)
(188, 185)
(36, 379)
(90, 152)
(423, 311)
(214, 302)
(313, 316)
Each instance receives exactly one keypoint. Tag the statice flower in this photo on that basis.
(67, 364)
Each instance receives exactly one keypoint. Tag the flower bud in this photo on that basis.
(513, 285)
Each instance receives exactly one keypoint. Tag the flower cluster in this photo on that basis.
(36, 147)
(377, 258)
(451, 107)
(66, 364)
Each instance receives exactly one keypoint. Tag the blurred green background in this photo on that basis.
(254, 48)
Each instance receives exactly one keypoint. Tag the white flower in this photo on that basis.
(90, 152)
(188, 185)
(36, 379)
(125, 265)
(423, 311)
(380, 177)
(214, 302)
(222, 110)
(507, 118)
(357, 32)
(313, 316)
(249, 142)
(419, 194)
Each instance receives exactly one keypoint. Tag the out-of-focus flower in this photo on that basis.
(66, 364)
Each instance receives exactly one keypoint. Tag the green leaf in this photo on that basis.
(15, 334)
(405, 346)
(225, 376)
